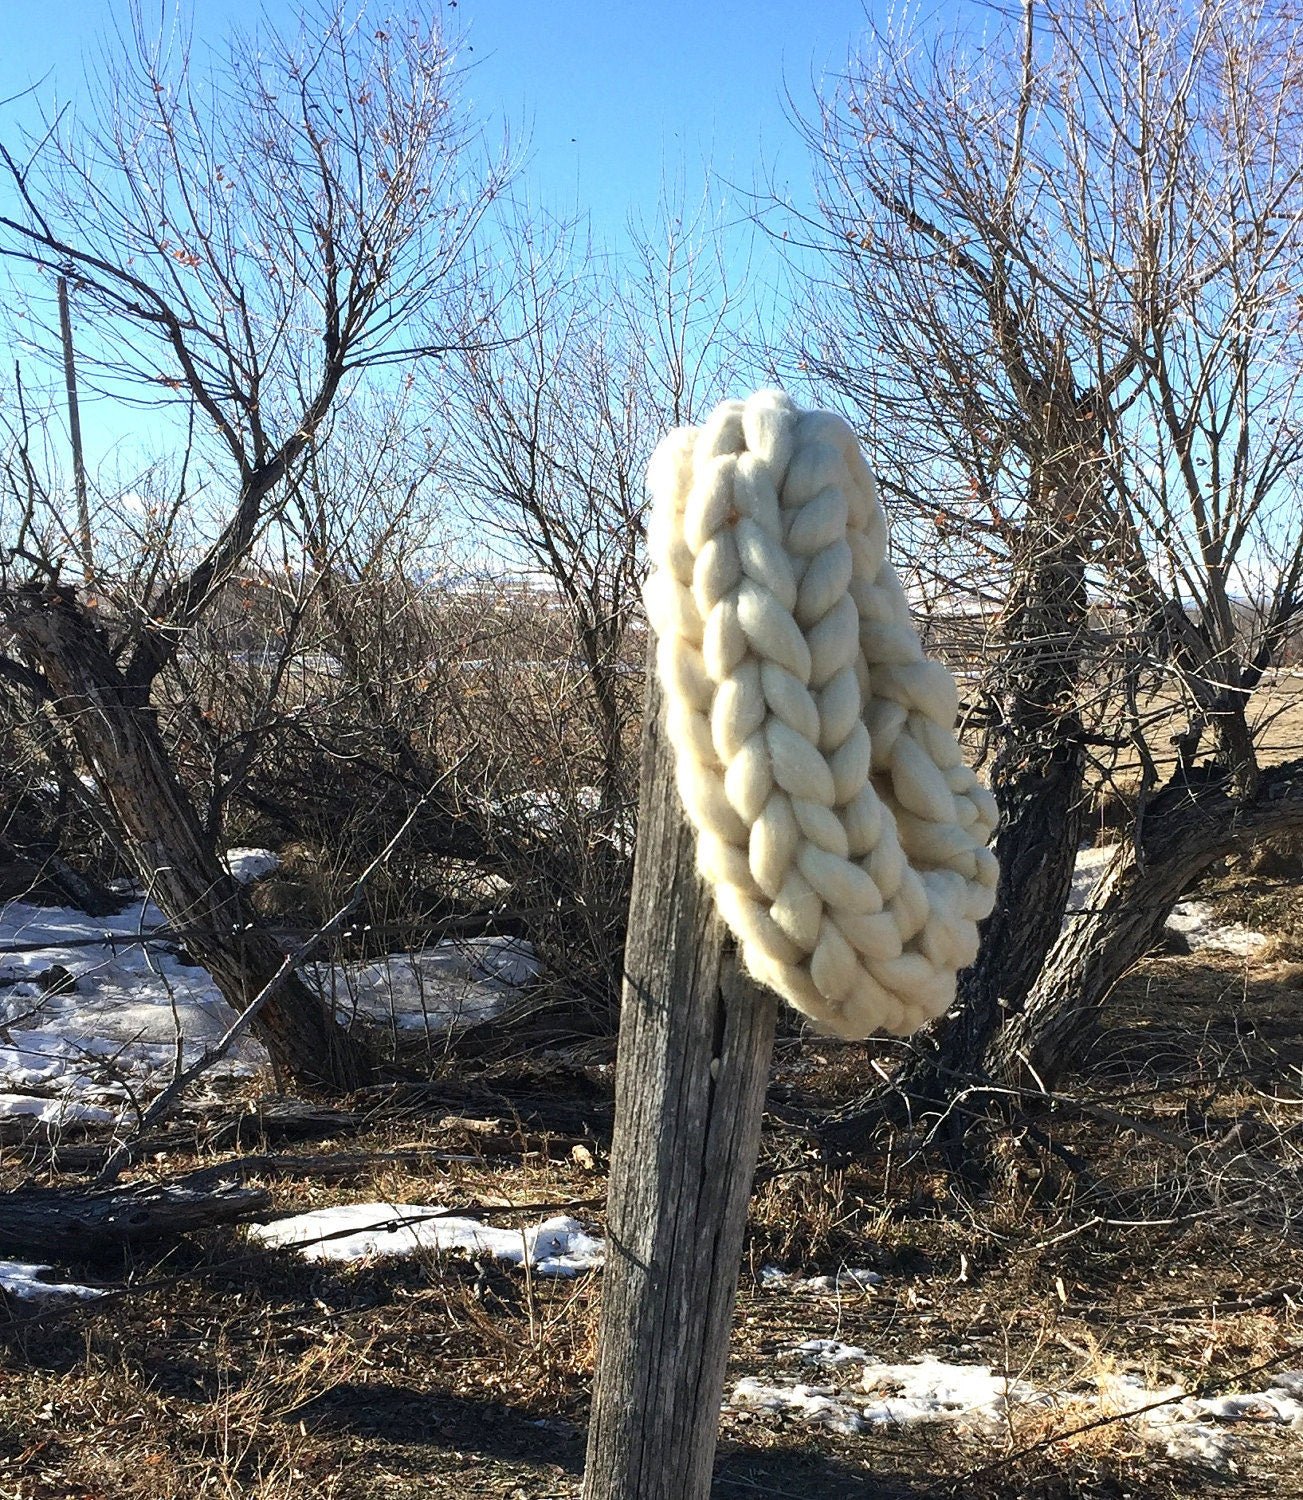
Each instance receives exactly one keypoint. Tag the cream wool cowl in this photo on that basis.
(842, 836)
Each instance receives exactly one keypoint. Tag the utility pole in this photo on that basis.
(74, 428)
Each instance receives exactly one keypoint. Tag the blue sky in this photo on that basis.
(621, 94)
(612, 97)
(608, 102)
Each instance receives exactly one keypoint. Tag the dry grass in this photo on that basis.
(1268, 905)
(1150, 1224)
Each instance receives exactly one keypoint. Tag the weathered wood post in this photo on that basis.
(841, 835)
(695, 1042)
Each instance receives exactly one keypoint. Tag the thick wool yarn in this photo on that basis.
(842, 835)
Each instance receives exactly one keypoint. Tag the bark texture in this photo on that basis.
(1184, 829)
(117, 733)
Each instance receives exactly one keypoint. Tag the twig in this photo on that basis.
(1216, 1309)
(1200, 1392)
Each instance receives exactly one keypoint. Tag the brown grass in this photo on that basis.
(219, 1370)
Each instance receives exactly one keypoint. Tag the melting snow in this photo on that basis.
(356, 1231)
(92, 1009)
(815, 1404)
(455, 983)
(848, 1279)
(21, 1278)
(87, 1003)
(53, 1112)
(933, 1391)
(248, 865)
(553, 811)
(1194, 1429)
(1087, 870)
(1195, 920)
(925, 1391)
(828, 1352)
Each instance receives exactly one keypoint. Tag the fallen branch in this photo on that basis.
(1216, 1308)
(87, 1221)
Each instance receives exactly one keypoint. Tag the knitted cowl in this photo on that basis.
(842, 836)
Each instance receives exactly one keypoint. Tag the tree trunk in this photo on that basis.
(695, 1043)
(1037, 775)
(1036, 778)
(1185, 828)
(117, 733)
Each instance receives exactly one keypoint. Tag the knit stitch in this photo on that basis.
(842, 836)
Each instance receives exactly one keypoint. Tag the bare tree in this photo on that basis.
(1063, 257)
(553, 429)
(1204, 470)
(246, 246)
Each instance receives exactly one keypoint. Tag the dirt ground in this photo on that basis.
(1147, 1225)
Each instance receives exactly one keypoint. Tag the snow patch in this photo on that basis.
(24, 1279)
(1201, 929)
(248, 865)
(1195, 920)
(456, 983)
(848, 1280)
(93, 1007)
(930, 1390)
(924, 1391)
(816, 1405)
(359, 1231)
(55, 1113)
(1086, 871)
(96, 1011)
(1200, 1430)
(553, 811)
(828, 1352)
(1194, 1428)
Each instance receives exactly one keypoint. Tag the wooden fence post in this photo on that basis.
(696, 1036)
